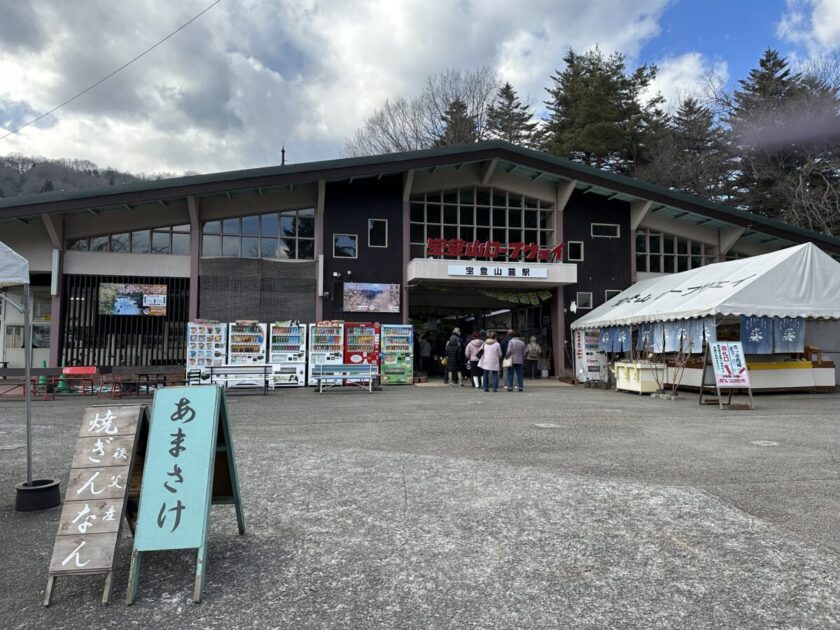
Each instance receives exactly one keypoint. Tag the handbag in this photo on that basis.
(508, 362)
(444, 361)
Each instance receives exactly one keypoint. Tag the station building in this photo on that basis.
(465, 232)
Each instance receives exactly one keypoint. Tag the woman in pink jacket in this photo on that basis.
(490, 362)
(473, 353)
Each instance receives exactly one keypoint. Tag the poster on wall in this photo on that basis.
(132, 299)
(369, 297)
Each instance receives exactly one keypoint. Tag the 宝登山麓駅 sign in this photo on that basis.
(499, 272)
(189, 465)
(491, 250)
(101, 484)
(729, 364)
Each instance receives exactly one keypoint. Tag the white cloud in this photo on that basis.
(814, 24)
(248, 76)
(685, 75)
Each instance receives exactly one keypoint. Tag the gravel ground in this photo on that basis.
(431, 507)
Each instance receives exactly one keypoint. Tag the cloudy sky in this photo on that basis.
(250, 75)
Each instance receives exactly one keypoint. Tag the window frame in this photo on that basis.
(385, 221)
(577, 300)
(617, 227)
(608, 297)
(354, 236)
(568, 257)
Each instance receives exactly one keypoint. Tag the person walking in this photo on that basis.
(532, 357)
(454, 356)
(425, 355)
(473, 351)
(490, 362)
(516, 354)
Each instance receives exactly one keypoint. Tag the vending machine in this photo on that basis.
(287, 354)
(397, 355)
(326, 344)
(246, 343)
(206, 346)
(361, 343)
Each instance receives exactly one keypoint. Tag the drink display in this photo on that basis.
(361, 344)
(206, 344)
(287, 353)
(246, 343)
(326, 344)
(397, 354)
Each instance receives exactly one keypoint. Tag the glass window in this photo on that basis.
(499, 217)
(140, 242)
(450, 231)
(668, 244)
(99, 244)
(213, 227)
(545, 217)
(610, 294)
(482, 216)
(416, 233)
(655, 243)
(230, 226)
(641, 242)
(467, 233)
(287, 224)
(574, 251)
(160, 243)
(286, 248)
(345, 246)
(306, 223)
(230, 246)
(432, 231)
(433, 213)
(668, 266)
(269, 225)
(180, 244)
(78, 245)
(515, 218)
(377, 233)
(466, 215)
(682, 263)
(482, 234)
(682, 246)
(211, 246)
(606, 230)
(181, 228)
(268, 248)
(655, 263)
(306, 249)
(450, 197)
(120, 242)
(530, 219)
(450, 214)
(641, 262)
(467, 196)
(584, 299)
(418, 212)
(530, 236)
(250, 246)
(251, 226)
(483, 198)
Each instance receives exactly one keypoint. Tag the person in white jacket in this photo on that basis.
(490, 362)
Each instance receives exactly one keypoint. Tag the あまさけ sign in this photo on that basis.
(729, 364)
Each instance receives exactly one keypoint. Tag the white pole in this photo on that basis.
(27, 345)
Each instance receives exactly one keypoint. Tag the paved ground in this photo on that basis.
(431, 507)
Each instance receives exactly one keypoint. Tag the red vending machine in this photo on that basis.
(361, 343)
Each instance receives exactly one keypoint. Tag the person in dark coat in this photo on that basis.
(454, 358)
(504, 344)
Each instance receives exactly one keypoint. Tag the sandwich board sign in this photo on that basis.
(103, 489)
(189, 465)
(729, 367)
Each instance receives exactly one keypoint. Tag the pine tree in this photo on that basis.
(596, 113)
(458, 126)
(509, 120)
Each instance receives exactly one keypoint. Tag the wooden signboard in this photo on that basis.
(102, 484)
(189, 465)
(729, 366)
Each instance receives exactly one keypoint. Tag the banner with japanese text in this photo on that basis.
(729, 364)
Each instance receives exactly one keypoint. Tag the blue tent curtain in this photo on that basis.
(605, 340)
(709, 329)
(757, 335)
(693, 341)
(789, 334)
(658, 333)
(673, 336)
(645, 337)
(623, 339)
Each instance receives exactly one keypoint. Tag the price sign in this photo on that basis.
(729, 364)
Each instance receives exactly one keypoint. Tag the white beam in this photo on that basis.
(55, 229)
(564, 193)
(727, 237)
(638, 211)
(192, 208)
(408, 182)
(488, 171)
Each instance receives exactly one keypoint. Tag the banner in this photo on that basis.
(789, 334)
(757, 334)
(729, 364)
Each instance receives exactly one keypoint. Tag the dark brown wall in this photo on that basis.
(606, 261)
(252, 288)
(347, 209)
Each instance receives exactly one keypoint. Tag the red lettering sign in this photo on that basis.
(491, 250)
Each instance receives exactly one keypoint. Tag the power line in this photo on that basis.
(105, 78)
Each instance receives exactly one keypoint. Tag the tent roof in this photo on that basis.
(800, 281)
(14, 268)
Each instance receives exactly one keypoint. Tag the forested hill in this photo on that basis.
(20, 175)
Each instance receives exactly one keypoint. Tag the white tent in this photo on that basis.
(801, 281)
(14, 268)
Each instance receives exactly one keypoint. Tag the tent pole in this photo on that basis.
(27, 344)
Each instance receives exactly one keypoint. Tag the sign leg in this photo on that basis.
(133, 578)
(106, 590)
(48, 593)
(200, 559)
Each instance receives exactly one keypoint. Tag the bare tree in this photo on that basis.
(419, 123)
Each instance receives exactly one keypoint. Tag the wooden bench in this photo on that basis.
(242, 376)
(14, 378)
(359, 375)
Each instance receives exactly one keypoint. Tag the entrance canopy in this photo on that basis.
(14, 268)
(801, 281)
